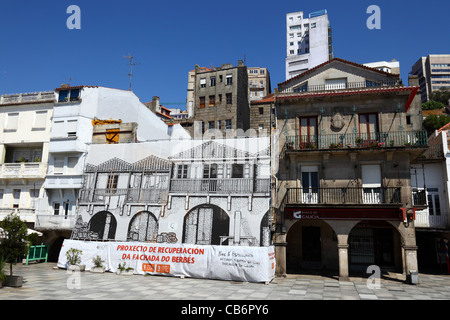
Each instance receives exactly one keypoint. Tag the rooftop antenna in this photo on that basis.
(70, 81)
(130, 57)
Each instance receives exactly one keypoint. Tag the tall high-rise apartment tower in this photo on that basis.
(308, 41)
(433, 72)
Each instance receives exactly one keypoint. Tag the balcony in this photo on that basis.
(343, 196)
(152, 195)
(341, 86)
(220, 186)
(376, 140)
(31, 170)
(55, 222)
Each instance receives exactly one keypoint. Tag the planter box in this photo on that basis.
(125, 272)
(72, 267)
(98, 269)
(14, 281)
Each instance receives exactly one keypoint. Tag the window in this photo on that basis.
(112, 181)
(72, 164)
(221, 78)
(368, 127)
(72, 128)
(69, 95)
(262, 71)
(58, 128)
(40, 119)
(219, 123)
(291, 35)
(12, 121)
(261, 127)
(313, 25)
(371, 179)
(434, 206)
(202, 102)
(56, 206)
(237, 170)
(182, 171)
(212, 81)
(203, 83)
(229, 98)
(58, 165)
(16, 197)
(310, 184)
(220, 97)
(261, 110)
(229, 79)
(228, 124)
(212, 101)
(211, 125)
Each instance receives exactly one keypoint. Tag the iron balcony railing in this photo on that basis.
(345, 195)
(357, 140)
(213, 185)
(435, 151)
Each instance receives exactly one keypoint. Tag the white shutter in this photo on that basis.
(371, 176)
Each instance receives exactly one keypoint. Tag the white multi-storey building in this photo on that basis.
(74, 127)
(308, 41)
(24, 150)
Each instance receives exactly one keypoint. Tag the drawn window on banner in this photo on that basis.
(143, 227)
(205, 225)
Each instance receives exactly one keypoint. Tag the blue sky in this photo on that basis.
(168, 38)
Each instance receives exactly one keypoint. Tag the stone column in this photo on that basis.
(280, 254)
(410, 259)
(343, 257)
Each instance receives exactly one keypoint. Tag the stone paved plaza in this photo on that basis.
(43, 281)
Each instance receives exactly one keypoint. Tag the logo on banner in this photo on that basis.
(305, 215)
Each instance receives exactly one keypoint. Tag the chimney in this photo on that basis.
(155, 104)
(65, 85)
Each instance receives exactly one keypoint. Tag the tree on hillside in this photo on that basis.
(433, 122)
(442, 95)
(432, 105)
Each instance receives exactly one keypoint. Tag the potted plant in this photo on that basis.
(13, 245)
(73, 259)
(122, 270)
(98, 265)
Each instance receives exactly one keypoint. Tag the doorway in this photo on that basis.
(311, 245)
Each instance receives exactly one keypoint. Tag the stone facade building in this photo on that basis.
(347, 134)
(220, 100)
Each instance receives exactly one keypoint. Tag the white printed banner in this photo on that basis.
(251, 264)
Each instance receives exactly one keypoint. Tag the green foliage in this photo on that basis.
(73, 256)
(98, 262)
(442, 95)
(432, 123)
(432, 105)
(33, 239)
(14, 245)
(2, 273)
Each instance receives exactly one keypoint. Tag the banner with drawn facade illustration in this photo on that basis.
(238, 263)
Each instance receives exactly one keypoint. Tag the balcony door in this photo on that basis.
(308, 132)
(368, 128)
(371, 179)
(310, 184)
(209, 182)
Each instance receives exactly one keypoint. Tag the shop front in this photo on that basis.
(346, 241)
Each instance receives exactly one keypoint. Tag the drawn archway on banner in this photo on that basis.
(143, 227)
(205, 225)
(103, 224)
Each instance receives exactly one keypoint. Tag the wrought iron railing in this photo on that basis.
(345, 195)
(356, 140)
